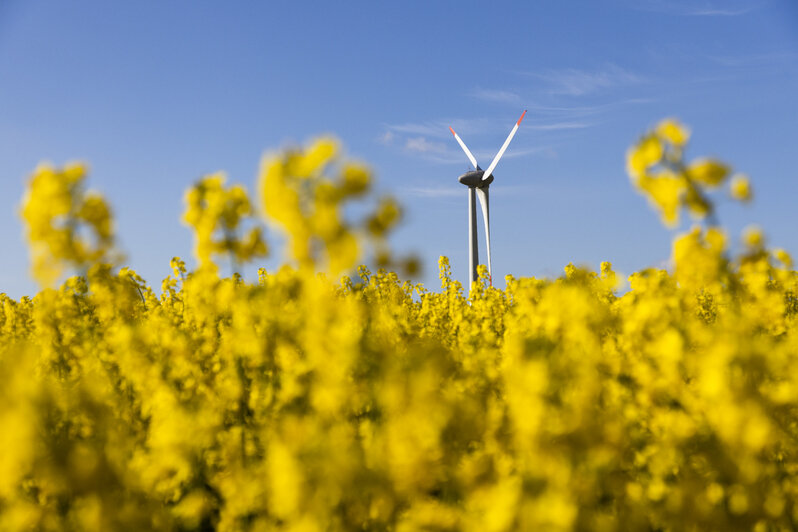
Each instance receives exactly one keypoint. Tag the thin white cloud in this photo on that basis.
(572, 111)
(497, 96)
(433, 142)
(433, 136)
(387, 137)
(424, 145)
(454, 156)
(429, 129)
(577, 82)
(440, 128)
(755, 60)
(711, 12)
(559, 125)
(695, 8)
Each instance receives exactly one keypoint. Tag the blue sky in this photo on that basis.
(155, 94)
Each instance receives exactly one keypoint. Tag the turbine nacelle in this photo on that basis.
(474, 179)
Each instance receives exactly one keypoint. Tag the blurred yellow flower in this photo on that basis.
(741, 188)
(671, 130)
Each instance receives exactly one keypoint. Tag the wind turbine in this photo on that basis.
(478, 182)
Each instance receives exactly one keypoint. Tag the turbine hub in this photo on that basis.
(474, 179)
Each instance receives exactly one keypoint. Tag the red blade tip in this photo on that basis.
(522, 117)
(452, 130)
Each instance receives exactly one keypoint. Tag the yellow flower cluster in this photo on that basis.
(657, 168)
(300, 197)
(210, 209)
(303, 404)
(66, 225)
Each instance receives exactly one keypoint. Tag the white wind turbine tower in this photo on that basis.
(478, 182)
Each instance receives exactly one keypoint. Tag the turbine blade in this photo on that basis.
(484, 201)
(465, 148)
(504, 147)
